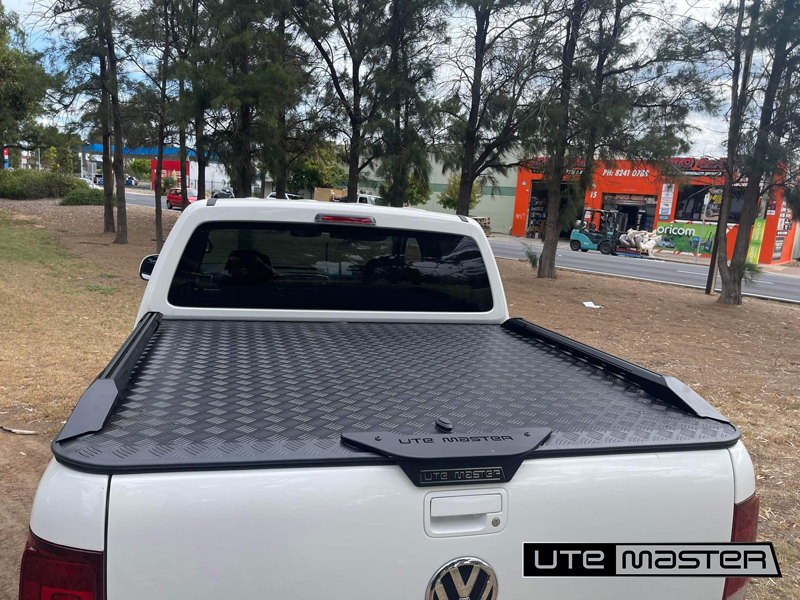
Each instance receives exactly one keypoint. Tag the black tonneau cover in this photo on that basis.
(213, 394)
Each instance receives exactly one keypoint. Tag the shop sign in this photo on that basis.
(777, 249)
(665, 207)
(628, 199)
(688, 164)
(754, 250)
(785, 221)
(686, 237)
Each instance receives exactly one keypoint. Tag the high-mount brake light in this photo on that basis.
(51, 572)
(745, 528)
(344, 219)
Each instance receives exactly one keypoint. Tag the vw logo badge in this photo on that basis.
(464, 578)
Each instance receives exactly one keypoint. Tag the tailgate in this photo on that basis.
(366, 532)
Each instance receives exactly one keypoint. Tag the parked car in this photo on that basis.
(174, 199)
(225, 192)
(321, 400)
(131, 180)
(89, 180)
(273, 196)
(364, 199)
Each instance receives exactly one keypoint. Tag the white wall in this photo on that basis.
(499, 207)
(216, 176)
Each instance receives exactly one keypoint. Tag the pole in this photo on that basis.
(711, 282)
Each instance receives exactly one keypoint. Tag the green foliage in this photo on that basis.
(65, 160)
(23, 184)
(532, 257)
(167, 183)
(23, 81)
(50, 159)
(449, 197)
(408, 114)
(14, 158)
(751, 273)
(350, 39)
(416, 191)
(141, 168)
(83, 197)
(791, 195)
(320, 169)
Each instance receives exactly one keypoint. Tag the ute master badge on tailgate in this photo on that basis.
(453, 459)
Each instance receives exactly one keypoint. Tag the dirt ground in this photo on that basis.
(66, 307)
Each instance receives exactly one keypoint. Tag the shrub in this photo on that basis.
(449, 197)
(22, 184)
(532, 257)
(83, 197)
(167, 183)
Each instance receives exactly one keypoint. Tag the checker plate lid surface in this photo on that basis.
(233, 394)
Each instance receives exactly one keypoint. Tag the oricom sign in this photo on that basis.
(683, 237)
(676, 229)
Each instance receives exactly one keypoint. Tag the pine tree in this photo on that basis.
(351, 32)
(409, 115)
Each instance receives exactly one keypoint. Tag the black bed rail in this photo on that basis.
(665, 388)
(100, 399)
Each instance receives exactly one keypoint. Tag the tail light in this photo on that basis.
(745, 528)
(51, 572)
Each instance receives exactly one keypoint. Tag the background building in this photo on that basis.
(683, 209)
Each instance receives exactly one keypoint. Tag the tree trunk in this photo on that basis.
(182, 148)
(3, 156)
(162, 121)
(354, 158)
(108, 184)
(547, 260)
(280, 185)
(242, 169)
(158, 183)
(739, 79)
(471, 133)
(605, 46)
(732, 274)
(202, 161)
(119, 165)
(263, 183)
(199, 123)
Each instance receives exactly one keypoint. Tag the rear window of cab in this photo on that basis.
(330, 267)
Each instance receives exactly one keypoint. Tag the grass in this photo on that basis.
(99, 287)
(60, 324)
(21, 243)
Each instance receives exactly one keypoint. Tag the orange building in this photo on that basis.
(684, 210)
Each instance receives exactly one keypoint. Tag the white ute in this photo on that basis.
(330, 401)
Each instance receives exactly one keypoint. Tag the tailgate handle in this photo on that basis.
(457, 506)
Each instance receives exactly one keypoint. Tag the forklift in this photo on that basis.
(599, 230)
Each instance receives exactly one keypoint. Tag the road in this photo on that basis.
(769, 285)
(143, 197)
